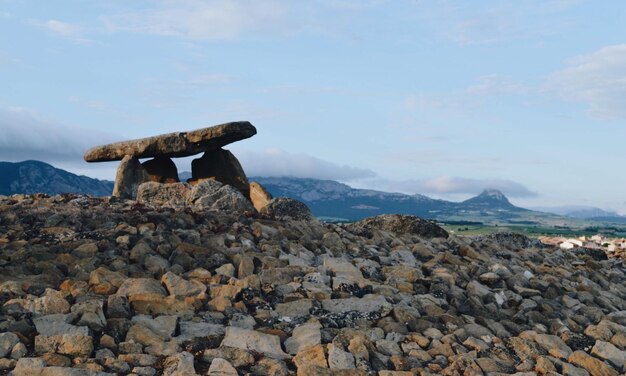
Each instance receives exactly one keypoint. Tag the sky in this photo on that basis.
(442, 98)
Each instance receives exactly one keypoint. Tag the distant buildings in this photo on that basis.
(613, 247)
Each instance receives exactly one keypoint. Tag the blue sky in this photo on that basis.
(442, 98)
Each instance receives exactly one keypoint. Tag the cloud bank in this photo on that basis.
(276, 162)
(26, 135)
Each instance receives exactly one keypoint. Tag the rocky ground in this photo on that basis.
(95, 286)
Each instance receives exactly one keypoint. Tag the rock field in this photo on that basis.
(95, 286)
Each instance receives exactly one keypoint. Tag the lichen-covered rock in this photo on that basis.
(397, 223)
(283, 207)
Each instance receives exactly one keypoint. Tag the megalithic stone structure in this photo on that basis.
(216, 163)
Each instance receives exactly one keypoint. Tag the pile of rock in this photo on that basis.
(101, 286)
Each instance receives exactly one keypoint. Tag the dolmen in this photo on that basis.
(217, 181)
(216, 163)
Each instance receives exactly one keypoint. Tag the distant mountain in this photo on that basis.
(576, 211)
(39, 177)
(330, 199)
(184, 175)
(490, 199)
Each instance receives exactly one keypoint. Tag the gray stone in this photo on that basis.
(338, 358)
(367, 304)
(304, 336)
(7, 341)
(610, 353)
(221, 367)
(266, 344)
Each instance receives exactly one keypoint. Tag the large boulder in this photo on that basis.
(287, 207)
(399, 224)
(208, 194)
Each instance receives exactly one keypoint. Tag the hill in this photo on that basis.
(38, 177)
(90, 286)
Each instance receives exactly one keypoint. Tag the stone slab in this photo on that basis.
(178, 144)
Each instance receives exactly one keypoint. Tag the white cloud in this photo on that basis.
(452, 185)
(207, 20)
(27, 135)
(497, 84)
(65, 30)
(276, 162)
(597, 79)
(471, 23)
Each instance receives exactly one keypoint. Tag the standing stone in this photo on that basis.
(161, 170)
(259, 196)
(130, 174)
(222, 166)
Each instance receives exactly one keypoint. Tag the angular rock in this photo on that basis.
(610, 353)
(181, 288)
(338, 358)
(245, 339)
(259, 196)
(304, 336)
(594, 366)
(220, 198)
(310, 356)
(553, 345)
(221, 367)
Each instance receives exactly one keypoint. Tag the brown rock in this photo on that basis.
(221, 165)
(161, 170)
(311, 356)
(594, 366)
(179, 144)
(259, 196)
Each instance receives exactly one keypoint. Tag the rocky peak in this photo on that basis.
(490, 199)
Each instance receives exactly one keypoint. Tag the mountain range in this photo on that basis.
(38, 177)
(331, 199)
(327, 199)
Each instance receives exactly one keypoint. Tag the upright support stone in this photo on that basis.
(161, 170)
(221, 165)
(130, 174)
